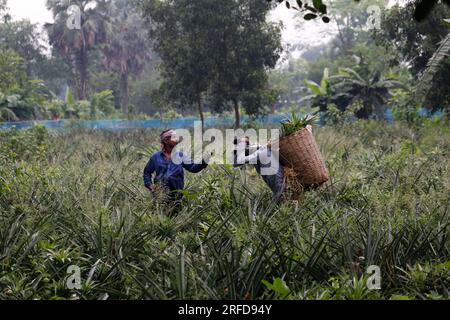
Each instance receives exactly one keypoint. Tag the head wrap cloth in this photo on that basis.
(167, 135)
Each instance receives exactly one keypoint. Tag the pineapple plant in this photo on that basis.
(296, 123)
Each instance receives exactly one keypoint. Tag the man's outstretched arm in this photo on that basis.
(192, 167)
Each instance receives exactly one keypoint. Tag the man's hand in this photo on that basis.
(207, 157)
(151, 187)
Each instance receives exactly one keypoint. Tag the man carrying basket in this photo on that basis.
(263, 159)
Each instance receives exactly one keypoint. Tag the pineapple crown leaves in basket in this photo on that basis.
(296, 123)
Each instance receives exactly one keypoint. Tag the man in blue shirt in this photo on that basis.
(169, 174)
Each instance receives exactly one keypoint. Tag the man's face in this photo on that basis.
(174, 138)
(245, 141)
(171, 142)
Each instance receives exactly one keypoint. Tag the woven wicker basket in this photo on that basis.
(300, 152)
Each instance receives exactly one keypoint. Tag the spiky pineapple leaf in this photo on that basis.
(296, 123)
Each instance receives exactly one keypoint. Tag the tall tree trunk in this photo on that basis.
(125, 93)
(82, 85)
(200, 111)
(237, 114)
(83, 65)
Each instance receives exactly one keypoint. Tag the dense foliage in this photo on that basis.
(194, 59)
(415, 43)
(217, 51)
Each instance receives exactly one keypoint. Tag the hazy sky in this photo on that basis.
(33, 10)
(36, 11)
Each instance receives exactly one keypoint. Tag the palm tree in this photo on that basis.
(74, 44)
(372, 90)
(127, 49)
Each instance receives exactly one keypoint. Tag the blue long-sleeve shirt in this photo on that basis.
(169, 173)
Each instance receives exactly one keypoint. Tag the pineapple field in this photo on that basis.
(74, 200)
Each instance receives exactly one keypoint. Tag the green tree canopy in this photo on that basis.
(19, 95)
(24, 38)
(246, 47)
(319, 8)
(221, 49)
(415, 44)
(182, 37)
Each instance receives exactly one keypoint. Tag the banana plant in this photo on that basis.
(6, 113)
(324, 86)
(322, 95)
(373, 90)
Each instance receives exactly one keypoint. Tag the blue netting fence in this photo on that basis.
(177, 123)
(139, 124)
